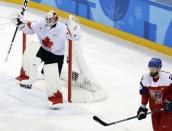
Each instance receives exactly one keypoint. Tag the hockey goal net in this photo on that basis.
(79, 84)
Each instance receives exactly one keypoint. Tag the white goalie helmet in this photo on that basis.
(51, 18)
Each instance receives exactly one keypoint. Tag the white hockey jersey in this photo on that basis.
(53, 39)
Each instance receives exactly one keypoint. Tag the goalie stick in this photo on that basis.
(97, 119)
(22, 13)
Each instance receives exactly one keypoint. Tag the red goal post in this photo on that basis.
(22, 75)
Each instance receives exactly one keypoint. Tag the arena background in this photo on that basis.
(144, 22)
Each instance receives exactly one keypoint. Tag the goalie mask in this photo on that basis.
(51, 19)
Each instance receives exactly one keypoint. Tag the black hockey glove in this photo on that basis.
(168, 106)
(142, 113)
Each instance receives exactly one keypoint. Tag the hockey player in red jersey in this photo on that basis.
(52, 35)
(156, 89)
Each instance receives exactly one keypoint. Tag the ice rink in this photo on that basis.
(116, 64)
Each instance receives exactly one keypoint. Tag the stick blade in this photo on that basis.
(100, 121)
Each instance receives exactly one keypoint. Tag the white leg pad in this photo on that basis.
(52, 81)
(32, 73)
(29, 56)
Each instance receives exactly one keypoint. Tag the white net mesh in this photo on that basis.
(85, 88)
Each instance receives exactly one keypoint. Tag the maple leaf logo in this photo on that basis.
(56, 98)
(47, 42)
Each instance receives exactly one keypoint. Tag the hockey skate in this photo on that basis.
(26, 84)
(55, 100)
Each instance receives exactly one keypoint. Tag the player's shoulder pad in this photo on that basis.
(167, 75)
(145, 79)
(144, 76)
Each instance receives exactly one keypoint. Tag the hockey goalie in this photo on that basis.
(53, 36)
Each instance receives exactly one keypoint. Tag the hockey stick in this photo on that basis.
(22, 13)
(97, 119)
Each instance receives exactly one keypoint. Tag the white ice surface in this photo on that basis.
(117, 64)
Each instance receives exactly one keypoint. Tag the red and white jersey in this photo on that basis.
(53, 39)
(156, 90)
